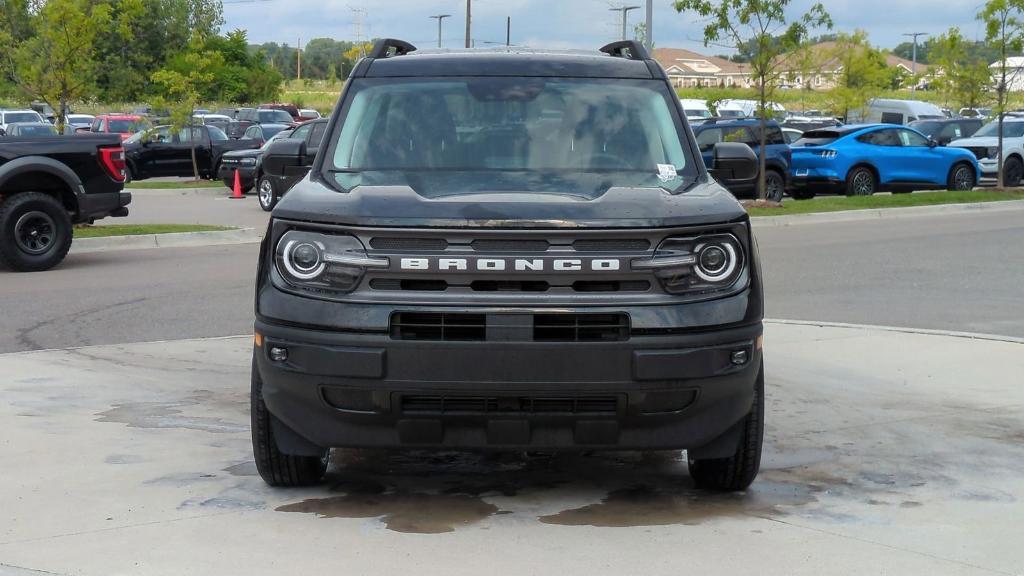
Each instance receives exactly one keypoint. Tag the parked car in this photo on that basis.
(945, 131)
(124, 125)
(890, 111)
(265, 116)
(10, 116)
(695, 109)
(248, 164)
(861, 160)
(440, 283)
(747, 131)
(50, 184)
(984, 144)
(791, 134)
(271, 187)
(308, 114)
(44, 110)
(236, 128)
(263, 132)
(218, 120)
(162, 151)
(981, 113)
(291, 109)
(75, 122)
(15, 129)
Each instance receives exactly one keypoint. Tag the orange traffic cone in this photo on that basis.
(236, 194)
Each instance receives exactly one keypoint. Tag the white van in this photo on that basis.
(696, 110)
(746, 108)
(888, 111)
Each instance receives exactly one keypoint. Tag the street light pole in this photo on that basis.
(648, 28)
(913, 62)
(469, 20)
(625, 10)
(440, 18)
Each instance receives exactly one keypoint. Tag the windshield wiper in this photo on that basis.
(344, 170)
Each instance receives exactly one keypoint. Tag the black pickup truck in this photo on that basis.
(164, 151)
(47, 184)
(509, 250)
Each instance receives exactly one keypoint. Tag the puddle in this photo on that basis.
(414, 513)
(242, 469)
(167, 415)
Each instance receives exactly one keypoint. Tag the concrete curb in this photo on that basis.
(172, 240)
(886, 213)
(900, 329)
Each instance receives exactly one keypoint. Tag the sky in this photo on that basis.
(584, 24)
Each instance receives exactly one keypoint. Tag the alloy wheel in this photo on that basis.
(35, 232)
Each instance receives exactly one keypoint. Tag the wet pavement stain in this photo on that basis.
(166, 415)
(414, 513)
(242, 469)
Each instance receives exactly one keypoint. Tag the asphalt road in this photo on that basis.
(960, 272)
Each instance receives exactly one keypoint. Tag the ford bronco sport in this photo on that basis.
(508, 250)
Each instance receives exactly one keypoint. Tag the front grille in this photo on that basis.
(980, 153)
(435, 285)
(455, 404)
(612, 245)
(438, 326)
(510, 245)
(554, 327)
(509, 286)
(580, 327)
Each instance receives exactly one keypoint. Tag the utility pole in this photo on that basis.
(508, 31)
(913, 63)
(469, 21)
(649, 28)
(625, 10)
(440, 18)
(298, 60)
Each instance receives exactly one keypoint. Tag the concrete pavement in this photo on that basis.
(886, 453)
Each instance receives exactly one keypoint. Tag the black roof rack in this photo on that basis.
(630, 49)
(382, 48)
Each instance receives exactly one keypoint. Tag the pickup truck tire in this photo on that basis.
(275, 467)
(1013, 172)
(861, 181)
(267, 194)
(961, 178)
(739, 470)
(35, 232)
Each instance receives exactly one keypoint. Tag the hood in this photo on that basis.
(701, 202)
(982, 142)
(246, 153)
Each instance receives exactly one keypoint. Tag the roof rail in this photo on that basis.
(382, 48)
(630, 49)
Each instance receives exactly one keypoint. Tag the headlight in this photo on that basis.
(248, 162)
(323, 263)
(993, 152)
(699, 265)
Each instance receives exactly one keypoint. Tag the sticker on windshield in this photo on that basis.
(666, 172)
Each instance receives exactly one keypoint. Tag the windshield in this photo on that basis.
(36, 130)
(697, 113)
(817, 138)
(492, 134)
(126, 126)
(10, 117)
(731, 113)
(269, 130)
(216, 133)
(1010, 130)
(928, 128)
(268, 116)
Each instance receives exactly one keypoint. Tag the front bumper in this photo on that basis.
(350, 389)
(246, 175)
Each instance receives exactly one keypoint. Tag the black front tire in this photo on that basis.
(738, 471)
(35, 232)
(962, 178)
(1013, 172)
(861, 181)
(802, 194)
(275, 467)
(267, 194)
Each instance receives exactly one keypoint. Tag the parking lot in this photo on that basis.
(887, 450)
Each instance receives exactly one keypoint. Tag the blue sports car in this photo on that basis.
(862, 160)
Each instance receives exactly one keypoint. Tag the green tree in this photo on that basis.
(1004, 30)
(863, 74)
(51, 48)
(762, 25)
(962, 78)
(192, 74)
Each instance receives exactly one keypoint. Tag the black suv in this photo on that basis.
(508, 250)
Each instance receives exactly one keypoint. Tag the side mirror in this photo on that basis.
(932, 143)
(733, 161)
(285, 158)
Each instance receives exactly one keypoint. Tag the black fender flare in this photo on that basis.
(30, 164)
